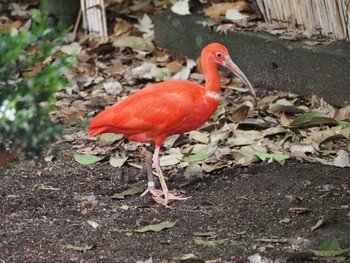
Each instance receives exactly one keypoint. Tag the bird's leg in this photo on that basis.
(156, 163)
(151, 184)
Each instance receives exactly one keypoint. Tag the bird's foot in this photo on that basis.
(161, 197)
(168, 198)
(154, 191)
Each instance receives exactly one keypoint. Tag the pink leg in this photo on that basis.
(165, 191)
(151, 184)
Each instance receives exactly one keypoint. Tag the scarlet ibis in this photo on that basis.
(171, 107)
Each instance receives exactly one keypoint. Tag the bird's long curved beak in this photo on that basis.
(230, 65)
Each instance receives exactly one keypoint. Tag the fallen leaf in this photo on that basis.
(156, 227)
(274, 131)
(209, 243)
(117, 161)
(70, 49)
(193, 170)
(326, 218)
(121, 27)
(284, 105)
(330, 244)
(113, 87)
(215, 10)
(341, 114)
(252, 135)
(299, 210)
(45, 186)
(203, 153)
(209, 167)
(86, 159)
(240, 113)
(202, 137)
(285, 121)
(185, 71)
(181, 7)
(245, 155)
(93, 224)
(191, 258)
(124, 207)
(270, 157)
(240, 141)
(131, 191)
(256, 258)
(234, 15)
(310, 119)
(109, 138)
(305, 148)
(159, 73)
(170, 159)
(80, 248)
(342, 159)
(146, 25)
(331, 254)
(136, 43)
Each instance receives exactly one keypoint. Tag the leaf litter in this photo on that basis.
(282, 126)
(283, 123)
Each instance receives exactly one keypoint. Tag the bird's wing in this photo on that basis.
(163, 106)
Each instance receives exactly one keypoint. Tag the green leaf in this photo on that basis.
(131, 191)
(156, 227)
(86, 159)
(79, 248)
(203, 153)
(331, 253)
(330, 244)
(270, 157)
(310, 119)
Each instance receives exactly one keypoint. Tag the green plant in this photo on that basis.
(31, 72)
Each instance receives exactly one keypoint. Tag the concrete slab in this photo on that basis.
(267, 61)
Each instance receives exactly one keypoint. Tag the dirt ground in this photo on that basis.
(231, 215)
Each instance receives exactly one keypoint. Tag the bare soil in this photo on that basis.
(231, 215)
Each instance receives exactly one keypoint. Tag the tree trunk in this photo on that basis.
(64, 11)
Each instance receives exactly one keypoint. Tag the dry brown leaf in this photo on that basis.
(220, 135)
(219, 9)
(209, 167)
(284, 105)
(341, 114)
(199, 136)
(121, 27)
(345, 132)
(285, 121)
(9, 25)
(267, 100)
(136, 43)
(274, 131)
(252, 135)
(240, 113)
(174, 66)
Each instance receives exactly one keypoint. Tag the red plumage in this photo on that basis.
(170, 107)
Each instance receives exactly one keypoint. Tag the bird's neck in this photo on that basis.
(212, 78)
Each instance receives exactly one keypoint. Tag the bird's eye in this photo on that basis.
(219, 55)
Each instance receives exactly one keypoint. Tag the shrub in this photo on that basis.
(31, 71)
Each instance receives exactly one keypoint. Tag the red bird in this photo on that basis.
(171, 107)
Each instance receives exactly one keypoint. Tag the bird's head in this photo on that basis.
(218, 54)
